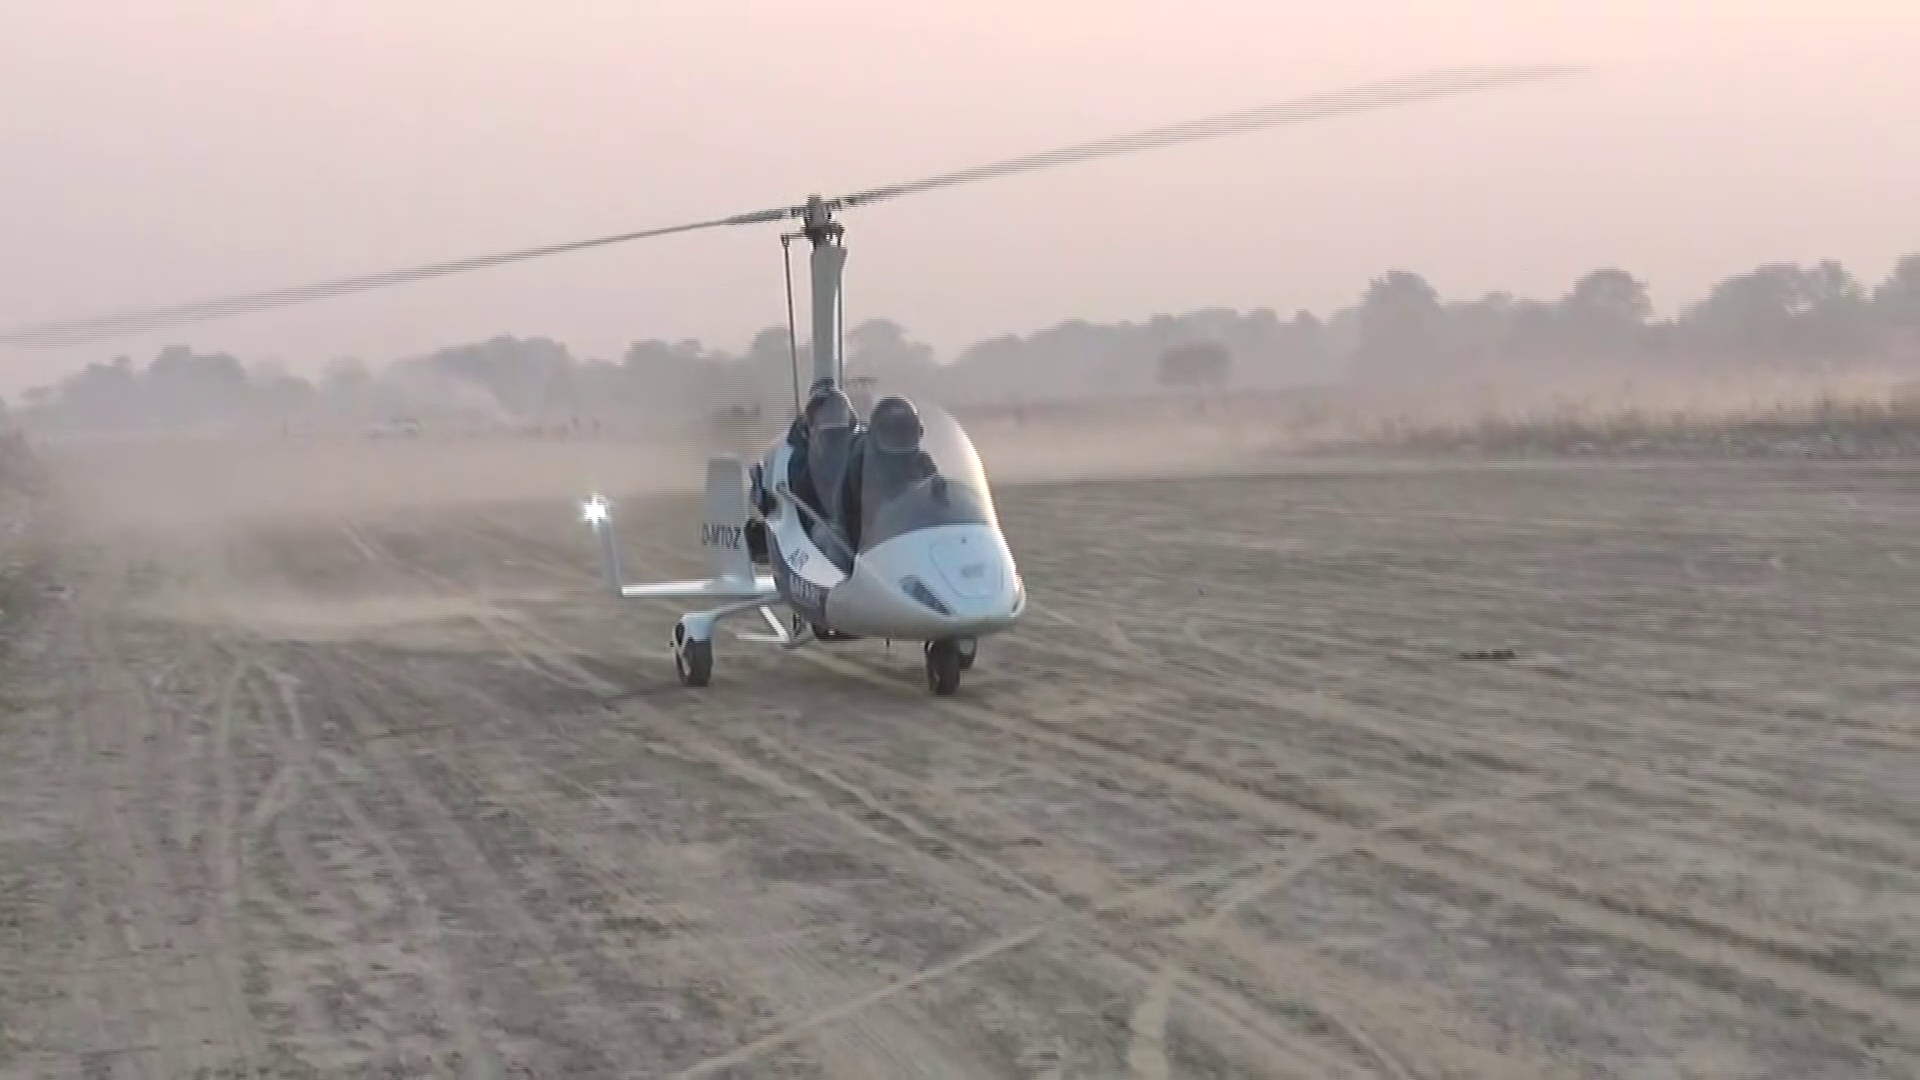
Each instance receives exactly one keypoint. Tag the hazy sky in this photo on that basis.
(167, 150)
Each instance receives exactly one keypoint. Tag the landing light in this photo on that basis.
(594, 511)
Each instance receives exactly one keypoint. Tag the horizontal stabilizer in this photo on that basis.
(705, 589)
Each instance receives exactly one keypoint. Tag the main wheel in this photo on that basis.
(969, 649)
(692, 659)
(943, 666)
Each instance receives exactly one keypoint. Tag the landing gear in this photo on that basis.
(757, 550)
(969, 648)
(944, 665)
(692, 657)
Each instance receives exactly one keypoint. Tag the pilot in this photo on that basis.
(888, 458)
(818, 478)
(827, 408)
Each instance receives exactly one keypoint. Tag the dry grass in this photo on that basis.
(1830, 428)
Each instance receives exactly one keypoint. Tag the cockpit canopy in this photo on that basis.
(904, 487)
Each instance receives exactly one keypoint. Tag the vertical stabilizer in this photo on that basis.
(724, 532)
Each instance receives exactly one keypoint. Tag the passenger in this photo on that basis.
(827, 411)
(888, 460)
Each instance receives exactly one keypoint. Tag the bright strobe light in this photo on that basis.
(594, 511)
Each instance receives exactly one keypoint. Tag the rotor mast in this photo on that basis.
(828, 260)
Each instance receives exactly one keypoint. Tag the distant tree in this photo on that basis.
(1611, 297)
(1480, 331)
(1398, 333)
(1837, 323)
(1784, 312)
(882, 346)
(766, 371)
(1607, 312)
(1400, 324)
(1196, 365)
(1897, 300)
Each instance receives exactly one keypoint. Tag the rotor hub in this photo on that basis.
(817, 224)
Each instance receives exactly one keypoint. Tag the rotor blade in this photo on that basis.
(94, 328)
(1354, 99)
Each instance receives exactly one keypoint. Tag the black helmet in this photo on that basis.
(828, 407)
(895, 425)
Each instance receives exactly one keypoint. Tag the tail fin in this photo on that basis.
(724, 533)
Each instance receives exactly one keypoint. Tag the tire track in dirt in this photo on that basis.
(1720, 798)
(1692, 945)
(446, 995)
(1421, 735)
(1707, 710)
(1687, 787)
(1762, 942)
(892, 1041)
(1615, 777)
(1144, 951)
(1175, 970)
(794, 972)
(214, 940)
(929, 863)
(774, 973)
(1207, 926)
(1138, 950)
(990, 950)
(113, 984)
(351, 972)
(1428, 694)
(190, 995)
(224, 867)
(363, 975)
(867, 1036)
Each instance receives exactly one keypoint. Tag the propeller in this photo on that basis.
(1321, 106)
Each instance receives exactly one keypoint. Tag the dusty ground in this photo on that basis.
(389, 792)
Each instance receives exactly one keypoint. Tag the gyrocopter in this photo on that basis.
(880, 526)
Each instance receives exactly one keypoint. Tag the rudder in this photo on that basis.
(723, 533)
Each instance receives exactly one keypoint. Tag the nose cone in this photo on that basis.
(971, 572)
(947, 581)
(970, 566)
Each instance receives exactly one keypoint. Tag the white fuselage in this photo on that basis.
(944, 581)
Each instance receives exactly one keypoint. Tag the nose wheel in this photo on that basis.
(692, 657)
(946, 659)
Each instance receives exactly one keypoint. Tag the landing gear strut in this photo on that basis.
(692, 658)
(757, 550)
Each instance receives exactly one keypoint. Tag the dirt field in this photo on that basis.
(388, 790)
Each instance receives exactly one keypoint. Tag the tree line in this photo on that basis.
(1778, 317)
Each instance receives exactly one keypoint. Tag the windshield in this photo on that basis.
(941, 482)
